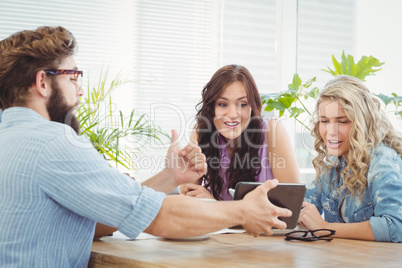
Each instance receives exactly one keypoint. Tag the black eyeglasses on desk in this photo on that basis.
(310, 235)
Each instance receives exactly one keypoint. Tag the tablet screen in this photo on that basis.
(285, 195)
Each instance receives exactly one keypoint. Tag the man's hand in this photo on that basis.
(310, 217)
(262, 215)
(195, 190)
(185, 165)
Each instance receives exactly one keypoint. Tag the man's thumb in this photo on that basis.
(174, 141)
(269, 184)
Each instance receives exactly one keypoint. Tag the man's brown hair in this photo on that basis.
(25, 53)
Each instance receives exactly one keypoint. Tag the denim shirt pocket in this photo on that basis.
(363, 213)
(330, 206)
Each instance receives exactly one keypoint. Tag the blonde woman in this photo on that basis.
(359, 166)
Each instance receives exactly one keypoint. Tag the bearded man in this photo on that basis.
(54, 186)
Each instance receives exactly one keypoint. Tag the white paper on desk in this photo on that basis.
(119, 235)
(229, 231)
(142, 236)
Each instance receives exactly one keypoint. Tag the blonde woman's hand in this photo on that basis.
(310, 217)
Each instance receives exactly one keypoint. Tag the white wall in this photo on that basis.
(379, 33)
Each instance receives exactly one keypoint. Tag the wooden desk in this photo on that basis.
(242, 250)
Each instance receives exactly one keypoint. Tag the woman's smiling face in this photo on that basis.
(232, 111)
(334, 127)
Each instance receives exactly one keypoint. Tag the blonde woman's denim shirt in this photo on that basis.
(382, 200)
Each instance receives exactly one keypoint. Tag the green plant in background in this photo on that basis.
(293, 100)
(393, 99)
(365, 67)
(289, 100)
(106, 130)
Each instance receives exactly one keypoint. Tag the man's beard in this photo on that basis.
(60, 111)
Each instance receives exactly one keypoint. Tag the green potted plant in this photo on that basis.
(107, 130)
(292, 101)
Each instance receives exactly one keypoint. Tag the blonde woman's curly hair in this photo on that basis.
(370, 127)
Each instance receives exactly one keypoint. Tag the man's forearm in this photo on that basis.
(182, 216)
(162, 182)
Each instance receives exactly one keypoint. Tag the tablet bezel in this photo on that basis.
(286, 195)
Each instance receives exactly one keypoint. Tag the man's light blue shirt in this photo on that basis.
(381, 203)
(54, 187)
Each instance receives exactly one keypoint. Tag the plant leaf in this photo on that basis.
(106, 138)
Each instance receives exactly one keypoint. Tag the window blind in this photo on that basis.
(325, 28)
(177, 49)
(249, 37)
(176, 52)
(103, 29)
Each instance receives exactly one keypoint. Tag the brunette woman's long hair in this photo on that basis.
(249, 142)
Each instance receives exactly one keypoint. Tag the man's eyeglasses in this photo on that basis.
(76, 73)
(310, 235)
(77, 80)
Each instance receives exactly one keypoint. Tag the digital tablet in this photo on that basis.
(285, 195)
